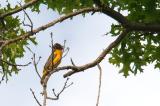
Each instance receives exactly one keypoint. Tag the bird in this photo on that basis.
(53, 61)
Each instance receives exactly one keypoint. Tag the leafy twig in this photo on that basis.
(18, 9)
(11, 64)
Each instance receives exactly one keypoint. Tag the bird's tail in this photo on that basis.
(43, 76)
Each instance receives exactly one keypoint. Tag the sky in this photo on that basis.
(86, 40)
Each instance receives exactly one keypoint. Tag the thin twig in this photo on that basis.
(66, 51)
(64, 45)
(35, 65)
(64, 87)
(2, 77)
(100, 80)
(35, 97)
(34, 61)
(11, 64)
(62, 90)
(72, 62)
(38, 60)
(45, 96)
(31, 23)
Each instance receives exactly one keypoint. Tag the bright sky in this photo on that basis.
(86, 41)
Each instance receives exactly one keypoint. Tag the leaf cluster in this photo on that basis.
(11, 27)
(62, 6)
(138, 48)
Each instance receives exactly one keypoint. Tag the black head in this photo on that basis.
(57, 46)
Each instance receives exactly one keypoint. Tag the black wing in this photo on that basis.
(49, 61)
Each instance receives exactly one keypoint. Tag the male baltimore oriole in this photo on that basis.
(53, 60)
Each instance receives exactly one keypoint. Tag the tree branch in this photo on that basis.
(35, 97)
(25, 14)
(100, 57)
(112, 13)
(100, 80)
(76, 69)
(45, 95)
(134, 26)
(106, 10)
(62, 18)
(11, 64)
(35, 63)
(18, 9)
(144, 27)
(62, 90)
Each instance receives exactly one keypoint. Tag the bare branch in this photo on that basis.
(76, 69)
(100, 57)
(64, 87)
(62, 18)
(102, 8)
(72, 62)
(64, 44)
(100, 80)
(66, 52)
(35, 97)
(62, 90)
(18, 9)
(51, 39)
(35, 64)
(31, 23)
(51, 98)
(65, 49)
(38, 60)
(44, 95)
(2, 79)
(34, 61)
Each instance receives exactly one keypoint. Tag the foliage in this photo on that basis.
(135, 51)
(11, 29)
(138, 48)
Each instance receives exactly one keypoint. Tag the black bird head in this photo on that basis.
(57, 46)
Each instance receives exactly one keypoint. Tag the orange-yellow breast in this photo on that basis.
(55, 62)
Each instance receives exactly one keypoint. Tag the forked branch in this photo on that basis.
(52, 23)
(45, 94)
(76, 69)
